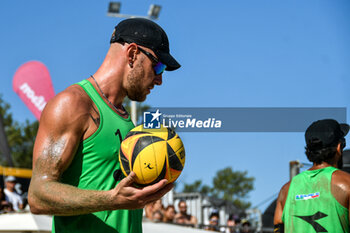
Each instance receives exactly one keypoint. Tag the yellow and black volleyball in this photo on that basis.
(153, 154)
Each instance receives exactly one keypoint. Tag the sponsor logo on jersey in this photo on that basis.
(307, 196)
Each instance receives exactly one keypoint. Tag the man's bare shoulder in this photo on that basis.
(70, 107)
(341, 187)
(282, 197)
(281, 200)
(72, 100)
(74, 95)
(342, 180)
(285, 188)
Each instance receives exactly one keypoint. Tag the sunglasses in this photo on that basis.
(158, 67)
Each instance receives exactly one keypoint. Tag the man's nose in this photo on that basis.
(158, 79)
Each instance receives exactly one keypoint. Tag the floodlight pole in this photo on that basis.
(134, 112)
(153, 14)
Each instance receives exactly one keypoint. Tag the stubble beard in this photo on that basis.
(135, 91)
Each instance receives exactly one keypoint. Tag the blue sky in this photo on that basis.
(233, 53)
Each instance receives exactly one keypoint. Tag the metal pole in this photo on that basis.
(4, 145)
(134, 112)
(294, 168)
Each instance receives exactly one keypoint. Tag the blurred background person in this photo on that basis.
(245, 227)
(213, 222)
(148, 210)
(153, 207)
(232, 224)
(183, 218)
(323, 191)
(158, 205)
(10, 194)
(5, 206)
(169, 214)
(157, 216)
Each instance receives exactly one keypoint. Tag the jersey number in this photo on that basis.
(118, 133)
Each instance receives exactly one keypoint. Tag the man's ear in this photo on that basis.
(132, 52)
(339, 148)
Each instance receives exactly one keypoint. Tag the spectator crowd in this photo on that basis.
(233, 224)
(156, 212)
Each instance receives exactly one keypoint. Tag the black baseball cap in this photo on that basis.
(146, 33)
(325, 133)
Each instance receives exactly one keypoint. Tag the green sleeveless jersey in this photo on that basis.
(311, 207)
(92, 168)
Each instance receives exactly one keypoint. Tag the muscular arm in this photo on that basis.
(281, 200)
(63, 124)
(341, 188)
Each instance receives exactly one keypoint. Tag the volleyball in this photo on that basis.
(153, 154)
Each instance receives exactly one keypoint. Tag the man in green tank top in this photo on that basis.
(76, 148)
(317, 200)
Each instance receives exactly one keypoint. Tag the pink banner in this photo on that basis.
(32, 82)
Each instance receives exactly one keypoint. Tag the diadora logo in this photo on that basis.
(307, 196)
(151, 120)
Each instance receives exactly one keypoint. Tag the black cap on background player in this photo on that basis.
(325, 133)
(322, 138)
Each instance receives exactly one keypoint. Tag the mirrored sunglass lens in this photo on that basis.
(159, 68)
